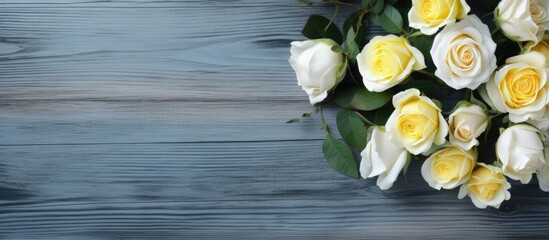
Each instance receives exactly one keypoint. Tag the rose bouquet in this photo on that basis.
(494, 64)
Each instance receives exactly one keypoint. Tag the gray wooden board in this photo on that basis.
(165, 119)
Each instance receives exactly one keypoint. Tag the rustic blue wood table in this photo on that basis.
(159, 119)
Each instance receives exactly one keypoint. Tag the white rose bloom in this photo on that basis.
(466, 123)
(383, 158)
(464, 54)
(520, 87)
(520, 150)
(523, 20)
(316, 67)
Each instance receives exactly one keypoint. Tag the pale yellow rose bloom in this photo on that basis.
(520, 87)
(417, 122)
(449, 167)
(430, 15)
(487, 186)
(386, 61)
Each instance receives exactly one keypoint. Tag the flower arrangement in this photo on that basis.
(497, 64)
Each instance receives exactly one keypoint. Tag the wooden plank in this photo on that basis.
(226, 190)
(147, 53)
(25, 122)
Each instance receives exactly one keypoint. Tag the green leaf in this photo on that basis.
(423, 43)
(350, 36)
(378, 6)
(307, 114)
(437, 102)
(354, 51)
(362, 99)
(355, 21)
(380, 115)
(350, 46)
(337, 49)
(390, 19)
(375, 6)
(340, 157)
(424, 86)
(352, 129)
(368, 3)
(294, 120)
(304, 115)
(318, 27)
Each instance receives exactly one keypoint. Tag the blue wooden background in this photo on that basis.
(157, 119)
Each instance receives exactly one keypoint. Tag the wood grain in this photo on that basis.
(231, 190)
(142, 119)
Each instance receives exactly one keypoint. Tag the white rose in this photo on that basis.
(520, 150)
(316, 67)
(383, 158)
(429, 16)
(449, 167)
(464, 54)
(520, 87)
(523, 20)
(417, 122)
(466, 123)
(486, 187)
(543, 172)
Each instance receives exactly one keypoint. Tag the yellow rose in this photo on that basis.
(430, 15)
(449, 167)
(486, 187)
(520, 87)
(417, 122)
(386, 61)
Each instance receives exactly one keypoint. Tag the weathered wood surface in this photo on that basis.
(165, 119)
